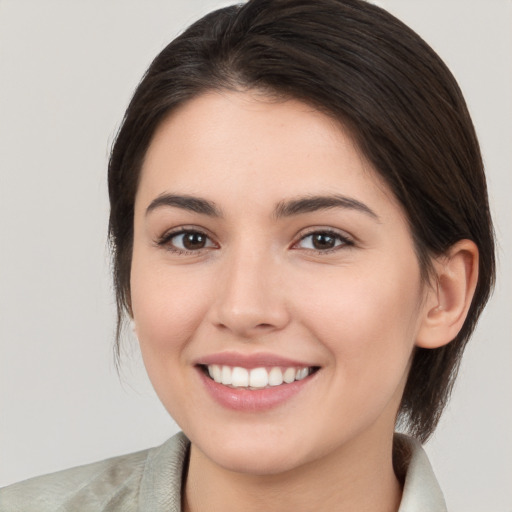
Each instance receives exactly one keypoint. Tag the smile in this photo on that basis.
(256, 378)
(254, 382)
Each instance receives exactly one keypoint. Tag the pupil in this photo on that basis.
(194, 241)
(323, 241)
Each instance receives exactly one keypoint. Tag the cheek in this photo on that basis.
(368, 321)
(167, 307)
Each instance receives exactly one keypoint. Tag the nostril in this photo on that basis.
(248, 316)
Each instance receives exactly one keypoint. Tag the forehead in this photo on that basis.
(257, 148)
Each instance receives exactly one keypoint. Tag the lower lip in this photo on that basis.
(253, 400)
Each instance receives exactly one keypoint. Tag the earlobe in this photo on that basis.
(449, 298)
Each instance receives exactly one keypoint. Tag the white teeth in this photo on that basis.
(302, 374)
(289, 375)
(257, 378)
(239, 377)
(215, 372)
(275, 376)
(226, 375)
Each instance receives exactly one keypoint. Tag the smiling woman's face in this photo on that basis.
(264, 242)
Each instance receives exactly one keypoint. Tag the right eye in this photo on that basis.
(186, 241)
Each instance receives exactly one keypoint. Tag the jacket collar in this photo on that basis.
(161, 483)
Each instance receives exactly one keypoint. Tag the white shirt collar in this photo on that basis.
(421, 491)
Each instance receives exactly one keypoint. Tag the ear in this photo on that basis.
(449, 297)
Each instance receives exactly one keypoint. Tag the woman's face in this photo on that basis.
(266, 248)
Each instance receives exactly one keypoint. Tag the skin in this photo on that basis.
(258, 285)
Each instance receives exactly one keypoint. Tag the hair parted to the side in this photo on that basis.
(360, 65)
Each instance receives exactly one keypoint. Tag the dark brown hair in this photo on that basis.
(360, 65)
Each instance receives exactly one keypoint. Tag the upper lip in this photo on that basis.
(249, 361)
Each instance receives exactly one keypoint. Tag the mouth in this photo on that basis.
(255, 382)
(254, 379)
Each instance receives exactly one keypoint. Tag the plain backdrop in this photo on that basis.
(67, 70)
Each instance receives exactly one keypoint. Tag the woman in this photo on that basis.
(302, 238)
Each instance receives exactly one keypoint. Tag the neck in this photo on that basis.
(352, 478)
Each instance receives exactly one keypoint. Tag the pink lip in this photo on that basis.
(250, 361)
(253, 400)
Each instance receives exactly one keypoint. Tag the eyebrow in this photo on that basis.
(314, 203)
(190, 203)
(287, 208)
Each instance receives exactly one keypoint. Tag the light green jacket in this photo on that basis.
(150, 481)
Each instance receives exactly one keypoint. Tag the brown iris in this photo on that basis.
(194, 241)
(322, 241)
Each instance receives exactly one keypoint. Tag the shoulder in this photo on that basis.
(108, 485)
(86, 487)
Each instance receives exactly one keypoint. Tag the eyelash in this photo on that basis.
(166, 241)
(344, 240)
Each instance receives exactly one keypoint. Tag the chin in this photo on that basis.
(261, 451)
(255, 461)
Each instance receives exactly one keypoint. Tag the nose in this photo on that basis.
(250, 299)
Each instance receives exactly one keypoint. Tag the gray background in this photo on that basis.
(67, 70)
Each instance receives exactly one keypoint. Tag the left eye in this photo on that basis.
(189, 241)
(322, 241)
